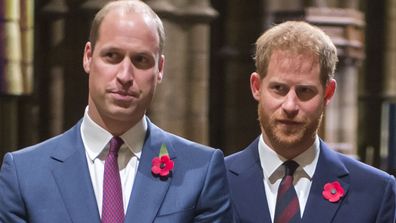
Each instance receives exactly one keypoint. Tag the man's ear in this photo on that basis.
(87, 58)
(330, 90)
(255, 85)
(161, 64)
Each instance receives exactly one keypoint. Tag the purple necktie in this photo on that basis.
(287, 209)
(112, 206)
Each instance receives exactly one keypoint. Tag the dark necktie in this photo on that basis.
(287, 209)
(112, 207)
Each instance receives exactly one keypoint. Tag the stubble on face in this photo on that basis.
(288, 116)
(288, 140)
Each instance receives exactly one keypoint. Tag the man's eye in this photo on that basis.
(112, 57)
(279, 89)
(305, 93)
(143, 62)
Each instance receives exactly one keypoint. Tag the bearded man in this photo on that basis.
(288, 174)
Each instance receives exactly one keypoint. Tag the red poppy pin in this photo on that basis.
(162, 165)
(333, 191)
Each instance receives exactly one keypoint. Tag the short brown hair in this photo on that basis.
(127, 5)
(296, 36)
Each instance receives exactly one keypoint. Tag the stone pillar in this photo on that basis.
(11, 77)
(345, 27)
(9, 125)
(197, 69)
(11, 80)
(372, 84)
(168, 109)
(62, 84)
(17, 120)
(390, 52)
(233, 110)
(285, 5)
(94, 5)
(75, 79)
(51, 61)
(181, 101)
(340, 122)
(388, 147)
(27, 43)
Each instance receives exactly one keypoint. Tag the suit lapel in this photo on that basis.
(72, 177)
(329, 169)
(148, 190)
(252, 199)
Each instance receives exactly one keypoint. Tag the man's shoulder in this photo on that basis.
(244, 159)
(360, 171)
(236, 157)
(187, 146)
(249, 153)
(39, 150)
(180, 143)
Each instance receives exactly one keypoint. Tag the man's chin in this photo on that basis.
(288, 140)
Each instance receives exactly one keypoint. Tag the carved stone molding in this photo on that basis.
(344, 26)
(55, 7)
(94, 5)
(163, 8)
(199, 11)
(192, 12)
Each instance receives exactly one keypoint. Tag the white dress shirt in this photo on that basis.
(271, 164)
(96, 142)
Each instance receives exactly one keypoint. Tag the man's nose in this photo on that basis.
(290, 104)
(126, 72)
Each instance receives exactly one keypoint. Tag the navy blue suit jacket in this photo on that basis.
(50, 183)
(369, 193)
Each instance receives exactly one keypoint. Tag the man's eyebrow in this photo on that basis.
(276, 82)
(111, 48)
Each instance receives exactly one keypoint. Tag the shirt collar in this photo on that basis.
(271, 161)
(96, 138)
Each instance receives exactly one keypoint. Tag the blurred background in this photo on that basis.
(205, 95)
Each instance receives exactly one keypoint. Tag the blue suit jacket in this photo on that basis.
(50, 182)
(369, 193)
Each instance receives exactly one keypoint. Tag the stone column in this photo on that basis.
(235, 111)
(51, 85)
(345, 28)
(197, 69)
(168, 109)
(388, 147)
(181, 102)
(340, 122)
(9, 124)
(390, 52)
(93, 5)
(77, 25)
(11, 80)
(17, 120)
(372, 84)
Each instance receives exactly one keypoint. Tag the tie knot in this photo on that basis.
(290, 167)
(115, 144)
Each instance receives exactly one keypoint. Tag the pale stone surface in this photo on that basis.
(181, 103)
